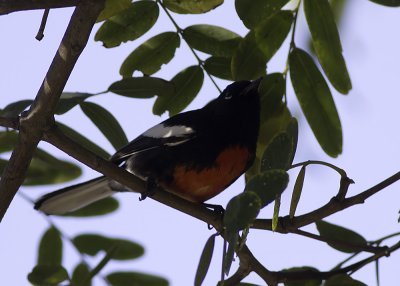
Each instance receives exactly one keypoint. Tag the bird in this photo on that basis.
(194, 154)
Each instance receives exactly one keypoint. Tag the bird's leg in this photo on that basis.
(151, 186)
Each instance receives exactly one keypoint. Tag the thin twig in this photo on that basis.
(180, 32)
(40, 33)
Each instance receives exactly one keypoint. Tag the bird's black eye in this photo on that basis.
(228, 96)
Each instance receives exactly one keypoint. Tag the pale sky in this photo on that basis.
(174, 241)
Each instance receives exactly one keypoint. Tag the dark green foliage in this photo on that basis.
(343, 280)
(213, 40)
(205, 261)
(316, 101)
(249, 61)
(340, 234)
(99, 208)
(151, 55)
(187, 85)
(129, 24)
(135, 279)
(92, 244)
(142, 87)
(192, 6)
(255, 11)
(106, 123)
(326, 42)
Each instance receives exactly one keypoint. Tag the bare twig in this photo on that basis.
(40, 33)
(40, 116)
(9, 6)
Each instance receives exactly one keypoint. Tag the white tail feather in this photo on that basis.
(74, 197)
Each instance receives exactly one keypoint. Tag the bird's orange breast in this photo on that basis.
(201, 185)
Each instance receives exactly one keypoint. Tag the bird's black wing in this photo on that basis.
(172, 132)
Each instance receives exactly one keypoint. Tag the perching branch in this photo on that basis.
(40, 118)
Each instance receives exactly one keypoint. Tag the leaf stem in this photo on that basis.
(292, 44)
(317, 162)
(180, 32)
(101, 264)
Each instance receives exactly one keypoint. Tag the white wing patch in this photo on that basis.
(162, 131)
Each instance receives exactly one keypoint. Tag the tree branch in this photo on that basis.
(75, 150)
(40, 116)
(9, 6)
(287, 224)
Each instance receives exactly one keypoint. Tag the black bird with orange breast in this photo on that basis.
(195, 154)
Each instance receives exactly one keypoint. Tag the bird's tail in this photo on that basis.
(74, 197)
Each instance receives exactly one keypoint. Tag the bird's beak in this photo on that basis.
(253, 86)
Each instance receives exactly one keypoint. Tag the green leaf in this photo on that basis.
(135, 279)
(82, 140)
(268, 185)
(316, 102)
(254, 11)
(151, 55)
(48, 275)
(326, 42)
(230, 253)
(248, 61)
(278, 153)
(340, 234)
(113, 7)
(92, 244)
(187, 85)
(192, 6)
(213, 40)
(389, 3)
(98, 208)
(205, 260)
(240, 212)
(275, 124)
(50, 248)
(80, 276)
(271, 89)
(293, 131)
(275, 216)
(8, 140)
(271, 33)
(129, 24)
(106, 123)
(69, 100)
(46, 169)
(142, 87)
(343, 280)
(14, 109)
(219, 67)
(298, 188)
(311, 282)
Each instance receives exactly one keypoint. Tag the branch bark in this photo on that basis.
(9, 6)
(40, 116)
(287, 224)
